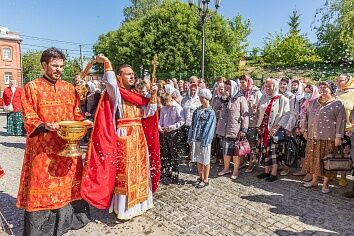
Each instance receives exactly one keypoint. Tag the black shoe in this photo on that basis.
(271, 178)
(202, 184)
(197, 182)
(349, 194)
(263, 175)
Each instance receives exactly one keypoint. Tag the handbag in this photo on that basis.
(242, 147)
(337, 161)
(10, 108)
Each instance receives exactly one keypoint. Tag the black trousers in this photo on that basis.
(75, 215)
(169, 155)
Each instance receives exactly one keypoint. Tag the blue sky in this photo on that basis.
(83, 21)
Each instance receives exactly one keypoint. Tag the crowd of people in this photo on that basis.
(285, 123)
(142, 131)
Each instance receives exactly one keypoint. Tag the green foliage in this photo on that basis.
(290, 49)
(173, 32)
(336, 31)
(32, 68)
(139, 8)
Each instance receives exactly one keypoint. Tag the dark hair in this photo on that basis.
(51, 53)
(245, 77)
(286, 80)
(227, 82)
(121, 67)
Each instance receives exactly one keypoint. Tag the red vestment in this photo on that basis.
(107, 154)
(48, 181)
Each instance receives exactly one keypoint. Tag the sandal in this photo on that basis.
(310, 185)
(222, 173)
(284, 173)
(307, 178)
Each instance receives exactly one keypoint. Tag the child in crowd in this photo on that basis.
(200, 136)
(170, 121)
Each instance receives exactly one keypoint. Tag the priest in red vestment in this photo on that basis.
(122, 167)
(50, 184)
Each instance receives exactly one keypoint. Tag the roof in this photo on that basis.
(6, 34)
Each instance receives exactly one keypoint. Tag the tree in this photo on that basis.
(173, 32)
(32, 68)
(336, 31)
(139, 8)
(294, 23)
(291, 49)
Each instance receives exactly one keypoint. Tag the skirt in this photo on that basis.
(15, 124)
(201, 154)
(315, 150)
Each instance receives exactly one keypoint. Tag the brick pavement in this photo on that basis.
(246, 207)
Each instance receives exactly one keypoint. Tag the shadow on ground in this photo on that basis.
(12, 214)
(14, 145)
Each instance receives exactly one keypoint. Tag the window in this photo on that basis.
(8, 77)
(6, 54)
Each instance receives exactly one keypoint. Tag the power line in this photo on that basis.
(63, 49)
(53, 40)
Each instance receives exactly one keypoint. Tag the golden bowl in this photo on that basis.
(72, 132)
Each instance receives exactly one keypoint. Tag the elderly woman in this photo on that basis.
(324, 126)
(252, 95)
(345, 94)
(232, 125)
(271, 108)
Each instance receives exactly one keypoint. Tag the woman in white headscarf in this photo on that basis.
(272, 107)
(232, 125)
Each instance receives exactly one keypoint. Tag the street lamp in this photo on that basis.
(203, 6)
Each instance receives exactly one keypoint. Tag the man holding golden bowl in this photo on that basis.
(50, 184)
(122, 167)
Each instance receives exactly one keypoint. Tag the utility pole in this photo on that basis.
(81, 58)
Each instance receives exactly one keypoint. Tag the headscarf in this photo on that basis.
(315, 94)
(205, 93)
(349, 84)
(329, 83)
(235, 92)
(299, 93)
(169, 89)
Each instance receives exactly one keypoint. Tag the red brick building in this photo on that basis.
(10, 58)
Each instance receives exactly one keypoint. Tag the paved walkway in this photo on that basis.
(247, 207)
